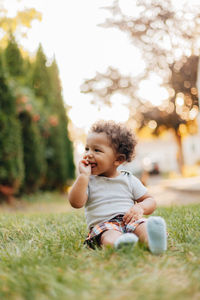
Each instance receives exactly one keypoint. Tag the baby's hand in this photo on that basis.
(84, 167)
(134, 213)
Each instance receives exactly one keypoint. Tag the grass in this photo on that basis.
(42, 256)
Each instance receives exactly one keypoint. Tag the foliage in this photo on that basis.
(163, 33)
(17, 24)
(46, 84)
(31, 97)
(40, 80)
(13, 58)
(11, 154)
(61, 110)
(70, 158)
(36, 101)
(154, 26)
(43, 257)
(33, 149)
(111, 82)
(169, 46)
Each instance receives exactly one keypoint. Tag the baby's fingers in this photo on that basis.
(127, 218)
(85, 162)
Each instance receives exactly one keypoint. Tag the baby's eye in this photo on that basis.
(86, 149)
(97, 150)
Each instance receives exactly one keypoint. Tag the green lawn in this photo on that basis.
(42, 257)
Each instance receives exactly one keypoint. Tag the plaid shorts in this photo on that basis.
(94, 236)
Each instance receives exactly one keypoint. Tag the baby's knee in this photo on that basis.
(109, 237)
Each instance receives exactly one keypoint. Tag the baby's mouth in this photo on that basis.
(93, 165)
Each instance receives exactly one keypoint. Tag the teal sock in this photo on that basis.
(157, 235)
(126, 239)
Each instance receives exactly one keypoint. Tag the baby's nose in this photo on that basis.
(88, 154)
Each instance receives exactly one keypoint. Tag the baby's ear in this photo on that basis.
(121, 158)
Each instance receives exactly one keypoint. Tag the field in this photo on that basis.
(42, 256)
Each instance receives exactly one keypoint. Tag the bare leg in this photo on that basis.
(141, 232)
(109, 237)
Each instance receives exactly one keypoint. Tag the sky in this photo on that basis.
(69, 30)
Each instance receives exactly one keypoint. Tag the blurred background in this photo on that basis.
(67, 64)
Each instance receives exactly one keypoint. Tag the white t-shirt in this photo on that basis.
(108, 197)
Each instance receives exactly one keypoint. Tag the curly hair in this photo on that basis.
(122, 139)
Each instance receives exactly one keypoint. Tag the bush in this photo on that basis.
(34, 160)
(11, 154)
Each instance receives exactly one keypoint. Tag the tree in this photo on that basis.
(40, 80)
(59, 106)
(18, 25)
(33, 146)
(155, 25)
(11, 153)
(60, 154)
(163, 33)
(33, 149)
(36, 100)
(46, 84)
(13, 58)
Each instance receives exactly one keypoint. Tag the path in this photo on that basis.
(180, 191)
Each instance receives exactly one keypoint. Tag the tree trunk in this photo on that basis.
(6, 194)
(180, 156)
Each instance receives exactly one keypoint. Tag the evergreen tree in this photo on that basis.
(33, 148)
(27, 67)
(56, 175)
(59, 153)
(13, 58)
(40, 81)
(34, 160)
(70, 156)
(46, 84)
(59, 107)
(11, 153)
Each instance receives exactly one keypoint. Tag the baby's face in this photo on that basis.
(100, 155)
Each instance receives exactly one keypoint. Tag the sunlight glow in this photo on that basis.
(85, 115)
(117, 112)
(152, 124)
(80, 148)
(80, 52)
(179, 101)
(119, 98)
(193, 112)
(180, 3)
(12, 6)
(151, 91)
(130, 8)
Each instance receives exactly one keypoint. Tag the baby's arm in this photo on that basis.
(78, 193)
(145, 206)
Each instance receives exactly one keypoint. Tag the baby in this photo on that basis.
(115, 201)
